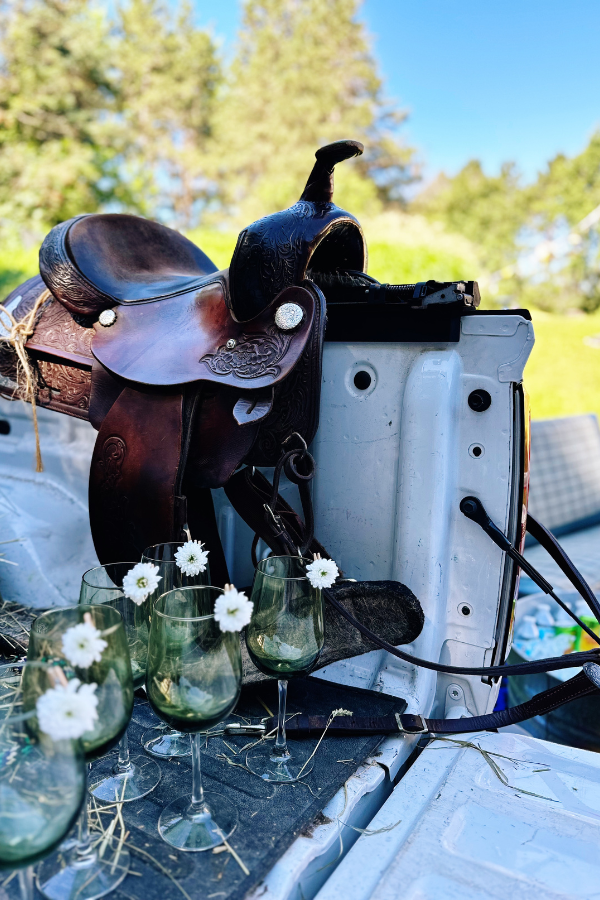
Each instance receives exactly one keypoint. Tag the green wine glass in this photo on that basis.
(159, 739)
(284, 639)
(125, 778)
(83, 874)
(42, 778)
(193, 680)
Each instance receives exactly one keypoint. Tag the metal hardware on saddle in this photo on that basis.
(288, 316)
(107, 318)
(299, 467)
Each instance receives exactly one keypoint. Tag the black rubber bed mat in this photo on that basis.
(271, 816)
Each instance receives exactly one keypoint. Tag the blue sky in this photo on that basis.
(511, 80)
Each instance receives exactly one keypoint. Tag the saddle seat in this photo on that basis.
(92, 262)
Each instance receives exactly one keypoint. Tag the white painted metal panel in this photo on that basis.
(452, 830)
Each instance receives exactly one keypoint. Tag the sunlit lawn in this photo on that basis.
(562, 375)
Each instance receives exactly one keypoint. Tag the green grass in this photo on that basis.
(16, 265)
(562, 375)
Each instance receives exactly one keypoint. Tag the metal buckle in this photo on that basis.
(238, 728)
(420, 730)
(276, 519)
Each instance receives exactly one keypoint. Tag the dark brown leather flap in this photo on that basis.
(182, 339)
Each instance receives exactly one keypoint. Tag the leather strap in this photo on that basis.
(248, 491)
(304, 726)
(547, 540)
(406, 723)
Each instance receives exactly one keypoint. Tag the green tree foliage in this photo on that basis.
(168, 78)
(564, 195)
(303, 75)
(528, 235)
(488, 210)
(94, 111)
(56, 143)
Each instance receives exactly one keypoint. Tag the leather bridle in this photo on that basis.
(299, 467)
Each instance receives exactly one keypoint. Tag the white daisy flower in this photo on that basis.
(322, 573)
(67, 712)
(83, 644)
(233, 610)
(191, 558)
(141, 581)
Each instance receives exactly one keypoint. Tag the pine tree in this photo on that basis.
(169, 73)
(57, 143)
(303, 76)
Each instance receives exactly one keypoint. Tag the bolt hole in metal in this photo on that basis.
(465, 609)
(4, 426)
(362, 380)
(476, 451)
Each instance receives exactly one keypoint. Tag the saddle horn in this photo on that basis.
(319, 187)
(279, 250)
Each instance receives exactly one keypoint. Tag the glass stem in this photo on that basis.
(197, 789)
(280, 749)
(26, 883)
(124, 763)
(84, 855)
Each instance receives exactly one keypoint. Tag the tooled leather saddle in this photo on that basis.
(185, 371)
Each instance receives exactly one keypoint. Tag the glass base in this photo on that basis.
(188, 830)
(264, 762)
(108, 785)
(164, 743)
(84, 878)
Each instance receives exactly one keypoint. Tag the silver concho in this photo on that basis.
(231, 343)
(107, 317)
(289, 316)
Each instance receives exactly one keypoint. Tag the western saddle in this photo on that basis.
(186, 372)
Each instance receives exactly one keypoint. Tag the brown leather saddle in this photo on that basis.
(186, 372)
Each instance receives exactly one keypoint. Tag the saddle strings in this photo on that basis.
(16, 334)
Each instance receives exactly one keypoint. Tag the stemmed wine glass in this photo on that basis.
(99, 654)
(284, 638)
(193, 680)
(159, 739)
(126, 778)
(42, 776)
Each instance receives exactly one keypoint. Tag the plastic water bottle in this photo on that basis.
(544, 620)
(528, 629)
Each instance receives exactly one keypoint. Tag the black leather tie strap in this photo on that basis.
(341, 726)
(547, 540)
(405, 723)
(527, 668)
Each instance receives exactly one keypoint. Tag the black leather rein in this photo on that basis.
(581, 685)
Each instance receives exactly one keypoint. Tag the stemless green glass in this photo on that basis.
(284, 639)
(193, 680)
(125, 778)
(42, 781)
(85, 875)
(160, 739)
